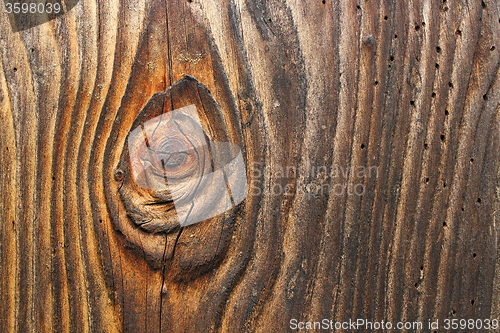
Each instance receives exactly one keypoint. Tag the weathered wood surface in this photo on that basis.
(409, 87)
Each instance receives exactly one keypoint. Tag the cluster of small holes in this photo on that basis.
(458, 32)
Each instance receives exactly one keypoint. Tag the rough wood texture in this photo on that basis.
(411, 88)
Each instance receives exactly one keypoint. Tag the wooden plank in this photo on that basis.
(370, 135)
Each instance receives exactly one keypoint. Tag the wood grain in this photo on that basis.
(410, 88)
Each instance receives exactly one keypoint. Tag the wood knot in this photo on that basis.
(369, 41)
(119, 175)
(178, 168)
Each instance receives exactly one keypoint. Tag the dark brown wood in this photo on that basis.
(370, 134)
